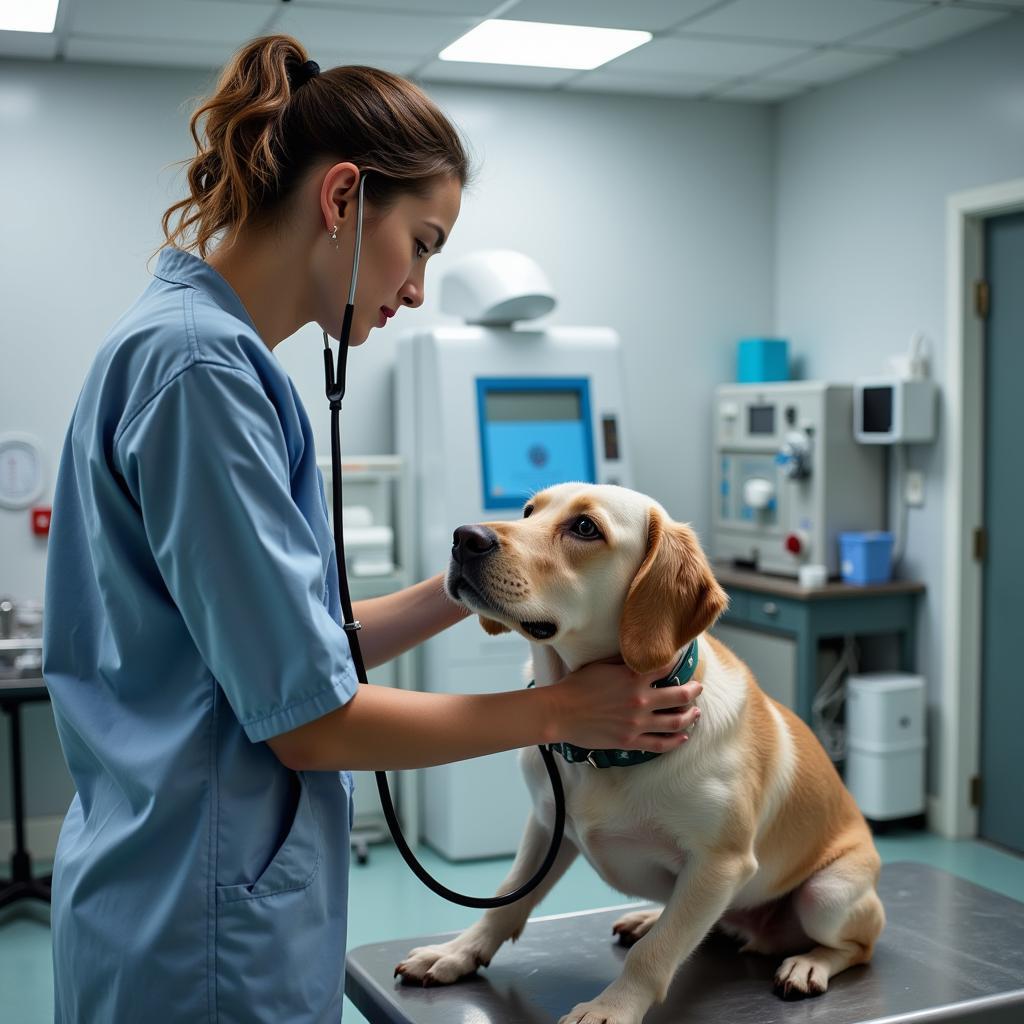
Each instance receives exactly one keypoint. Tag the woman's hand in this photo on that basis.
(606, 705)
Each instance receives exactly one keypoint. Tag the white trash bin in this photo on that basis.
(885, 743)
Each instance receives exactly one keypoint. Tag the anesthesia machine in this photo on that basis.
(789, 475)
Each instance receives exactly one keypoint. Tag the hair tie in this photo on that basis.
(303, 73)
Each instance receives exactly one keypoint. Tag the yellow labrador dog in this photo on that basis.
(747, 826)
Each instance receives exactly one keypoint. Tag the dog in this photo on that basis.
(746, 826)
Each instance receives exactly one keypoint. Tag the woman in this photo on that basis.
(204, 691)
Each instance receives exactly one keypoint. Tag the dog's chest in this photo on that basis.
(620, 832)
(642, 863)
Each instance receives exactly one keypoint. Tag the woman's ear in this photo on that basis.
(338, 187)
(492, 627)
(673, 598)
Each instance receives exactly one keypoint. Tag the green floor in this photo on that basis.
(386, 900)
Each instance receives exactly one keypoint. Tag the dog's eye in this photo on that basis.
(527, 511)
(585, 527)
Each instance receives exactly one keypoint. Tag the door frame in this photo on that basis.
(959, 733)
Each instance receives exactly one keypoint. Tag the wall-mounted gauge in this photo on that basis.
(21, 471)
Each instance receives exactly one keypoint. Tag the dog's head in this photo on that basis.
(587, 561)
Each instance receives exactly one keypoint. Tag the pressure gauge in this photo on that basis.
(21, 471)
(794, 457)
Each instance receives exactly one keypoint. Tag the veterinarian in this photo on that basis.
(203, 689)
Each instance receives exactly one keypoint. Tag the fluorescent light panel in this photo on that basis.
(539, 45)
(28, 15)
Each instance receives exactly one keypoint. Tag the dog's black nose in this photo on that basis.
(469, 542)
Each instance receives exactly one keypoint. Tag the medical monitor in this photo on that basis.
(534, 432)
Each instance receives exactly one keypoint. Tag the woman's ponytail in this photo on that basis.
(263, 128)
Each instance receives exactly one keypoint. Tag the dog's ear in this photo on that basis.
(673, 597)
(492, 627)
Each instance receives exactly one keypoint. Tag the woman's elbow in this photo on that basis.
(311, 747)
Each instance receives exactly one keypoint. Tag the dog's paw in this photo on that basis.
(633, 926)
(604, 1011)
(441, 965)
(800, 977)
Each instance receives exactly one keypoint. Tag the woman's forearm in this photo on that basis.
(394, 623)
(385, 729)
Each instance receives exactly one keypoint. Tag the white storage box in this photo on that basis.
(368, 550)
(885, 743)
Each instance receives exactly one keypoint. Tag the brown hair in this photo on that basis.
(259, 133)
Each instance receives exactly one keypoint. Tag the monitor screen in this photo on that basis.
(533, 433)
(761, 419)
(876, 411)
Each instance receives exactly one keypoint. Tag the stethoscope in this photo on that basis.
(335, 393)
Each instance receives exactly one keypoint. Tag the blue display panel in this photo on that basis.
(534, 432)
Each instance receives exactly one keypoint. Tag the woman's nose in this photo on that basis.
(412, 296)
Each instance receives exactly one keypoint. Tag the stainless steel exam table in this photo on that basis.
(951, 951)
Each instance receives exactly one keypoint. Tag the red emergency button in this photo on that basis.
(41, 521)
(793, 544)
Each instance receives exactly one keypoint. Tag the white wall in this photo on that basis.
(654, 216)
(864, 169)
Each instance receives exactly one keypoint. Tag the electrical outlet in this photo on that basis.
(914, 490)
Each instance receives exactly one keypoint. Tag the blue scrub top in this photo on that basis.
(192, 612)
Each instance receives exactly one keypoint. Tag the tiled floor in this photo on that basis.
(387, 900)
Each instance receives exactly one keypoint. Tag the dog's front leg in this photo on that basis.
(702, 893)
(442, 964)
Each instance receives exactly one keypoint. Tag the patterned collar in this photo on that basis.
(681, 674)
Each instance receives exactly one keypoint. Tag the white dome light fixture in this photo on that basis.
(496, 287)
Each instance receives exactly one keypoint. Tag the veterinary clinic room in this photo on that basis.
(509, 511)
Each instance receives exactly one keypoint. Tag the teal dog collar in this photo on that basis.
(681, 674)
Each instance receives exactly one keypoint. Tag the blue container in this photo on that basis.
(865, 557)
(761, 360)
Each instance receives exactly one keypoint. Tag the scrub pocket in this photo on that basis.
(278, 939)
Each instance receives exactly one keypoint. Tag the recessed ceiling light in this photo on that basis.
(28, 15)
(539, 45)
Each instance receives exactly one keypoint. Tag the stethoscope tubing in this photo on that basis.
(335, 386)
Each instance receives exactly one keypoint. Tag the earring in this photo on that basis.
(334, 235)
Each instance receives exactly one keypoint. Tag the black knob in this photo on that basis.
(469, 542)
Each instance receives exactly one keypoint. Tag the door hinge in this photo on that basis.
(981, 299)
(980, 543)
(975, 790)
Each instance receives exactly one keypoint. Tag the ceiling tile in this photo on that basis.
(607, 80)
(459, 8)
(320, 28)
(138, 51)
(724, 58)
(931, 26)
(652, 15)
(828, 66)
(761, 90)
(28, 44)
(160, 20)
(803, 21)
(495, 74)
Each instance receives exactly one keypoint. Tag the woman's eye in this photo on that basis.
(584, 527)
(421, 249)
